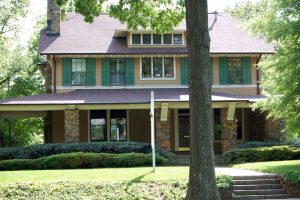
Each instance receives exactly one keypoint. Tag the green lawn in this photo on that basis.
(96, 175)
(276, 167)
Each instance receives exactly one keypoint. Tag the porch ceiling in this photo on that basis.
(116, 98)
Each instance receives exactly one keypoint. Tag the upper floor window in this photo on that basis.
(118, 72)
(158, 67)
(235, 71)
(156, 39)
(78, 72)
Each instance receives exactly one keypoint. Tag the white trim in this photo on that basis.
(163, 78)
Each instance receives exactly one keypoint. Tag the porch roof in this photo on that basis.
(121, 96)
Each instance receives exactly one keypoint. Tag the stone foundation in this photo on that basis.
(71, 126)
(163, 130)
(229, 131)
(292, 189)
(273, 129)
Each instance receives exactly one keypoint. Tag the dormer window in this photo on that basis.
(149, 39)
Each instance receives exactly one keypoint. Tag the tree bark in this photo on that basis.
(202, 184)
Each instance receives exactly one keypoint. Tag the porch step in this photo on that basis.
(258, 187)
(185, 160)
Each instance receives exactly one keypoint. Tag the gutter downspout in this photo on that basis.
(54, 74)
(258, 77)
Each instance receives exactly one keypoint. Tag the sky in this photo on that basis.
(39, 8)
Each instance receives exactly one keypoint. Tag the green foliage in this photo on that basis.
(42, 150)
(292, 177)
(175, 190)
(224, 181)
(279, 22)
(82, 160)
(261, 154)
(254, 144)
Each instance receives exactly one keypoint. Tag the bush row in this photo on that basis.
(95, 190)
(275, 153)
(254, 144)
(82, 160)
(42, 150)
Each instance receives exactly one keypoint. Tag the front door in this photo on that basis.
(184, 130)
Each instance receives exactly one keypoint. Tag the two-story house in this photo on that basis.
(99, 77)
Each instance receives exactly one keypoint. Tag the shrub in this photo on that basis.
(260, 154)
(224, 181)
(82, 160)
(42, 150)
(254, 144)
(292, 177)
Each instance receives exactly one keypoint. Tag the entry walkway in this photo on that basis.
(238, 172)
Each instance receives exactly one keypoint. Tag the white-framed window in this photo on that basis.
(78, 72)
(158, 68)
(139, 39)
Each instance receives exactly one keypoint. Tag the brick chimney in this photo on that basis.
(53, 18)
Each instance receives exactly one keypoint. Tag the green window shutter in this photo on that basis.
(184, 71)
(223, 62)
(105, 71)
(66, 71)
(91, 71)
(211, 71)
(246, 70)
(130, 71)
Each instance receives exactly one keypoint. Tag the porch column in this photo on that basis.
(229, 131)
(163, 130)
(273, 129)
(71, 126)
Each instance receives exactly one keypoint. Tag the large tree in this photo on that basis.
(162, 16)
(279, 22)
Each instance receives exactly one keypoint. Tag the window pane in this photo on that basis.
(217, 124)
(118, 125)
(169, 67)
(167, 38)
(156, 38)
(78, 72)
(146, 38)
(136, 38)
(118, 72)
(177, 39)
(157, 67)
(146, 67)
(235, 71)
(98, 125)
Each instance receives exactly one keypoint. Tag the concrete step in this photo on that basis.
(259, 192)
(257, 187)
(266, 176)
(252, 197)
(255, 182)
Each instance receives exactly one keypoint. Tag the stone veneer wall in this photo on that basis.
(229, 131)
(225, 194)
(163, 130)
(292, 189)
(273, 129)
(71, 126)
(53, 18)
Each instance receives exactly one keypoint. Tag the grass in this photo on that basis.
(276, 167)
(96, 175)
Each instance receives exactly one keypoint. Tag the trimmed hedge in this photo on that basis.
(82, 160)
(174, 190)
(42, 150)
(275, 153)
(255, 144)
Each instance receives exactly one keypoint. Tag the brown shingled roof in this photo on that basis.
(78, 37)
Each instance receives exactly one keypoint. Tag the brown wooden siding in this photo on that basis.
(139, 126)
(58, 127)
(83, 126)
(245, 90)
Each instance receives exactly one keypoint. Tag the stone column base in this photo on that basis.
(71, 126)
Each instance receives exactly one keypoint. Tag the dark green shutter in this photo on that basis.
(91, 71)
(223, 62)
(66, 71)
(130, 71)
(246, 70)
(105, 71)
(184, 71)
(211, 71)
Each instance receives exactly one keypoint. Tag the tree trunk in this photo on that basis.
(202, 184)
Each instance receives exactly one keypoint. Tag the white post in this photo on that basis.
(152, 130)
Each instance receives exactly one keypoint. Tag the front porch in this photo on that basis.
(124, 115)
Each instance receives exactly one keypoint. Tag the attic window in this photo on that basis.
(136, 38)
(156, 39)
